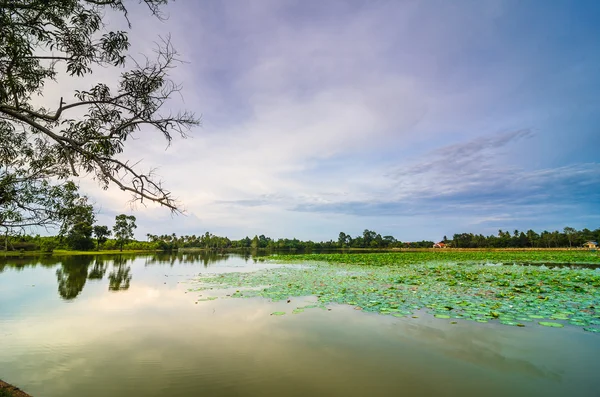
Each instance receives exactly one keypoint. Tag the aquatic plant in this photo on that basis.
(510, 295)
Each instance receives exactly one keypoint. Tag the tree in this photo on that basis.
(78, 219)
(27, 197)
(101, 233)
(124, 225)
(342, 239)
(85, 131)
(570, 233)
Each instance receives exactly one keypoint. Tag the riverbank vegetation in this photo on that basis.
(80, 235)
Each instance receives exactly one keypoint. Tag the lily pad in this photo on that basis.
(277, 313)
(550, 324)
(210, 298)
(591, 329)
(400, 284)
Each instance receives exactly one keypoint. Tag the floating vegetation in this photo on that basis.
(506, 257)
(210, 298)
(549, 324)
(510, 295)
(277, 313)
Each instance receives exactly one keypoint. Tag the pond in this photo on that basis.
(129, 326)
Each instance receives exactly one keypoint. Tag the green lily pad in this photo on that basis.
(590, 329)
(277, 313)
(550, 324)
(210, 298)
(400, 284)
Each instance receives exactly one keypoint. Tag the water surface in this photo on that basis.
(127, 326)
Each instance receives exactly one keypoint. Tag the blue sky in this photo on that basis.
(416, 119)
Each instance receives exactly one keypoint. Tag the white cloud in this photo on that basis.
(313, 104)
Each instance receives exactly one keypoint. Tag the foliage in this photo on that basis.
(27, 198)
(124, 226)
(101, 233)
(48, 245)
(373, 240)
(78, 224)
(451, 256)
(529, 239)
(65, 40)
(392, 284)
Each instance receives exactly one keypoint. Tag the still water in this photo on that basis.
(127, 326)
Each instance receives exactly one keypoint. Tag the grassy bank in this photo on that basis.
(69, 252)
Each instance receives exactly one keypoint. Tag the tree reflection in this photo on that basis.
(99, 269)
(120, 276)
(72, 276)
(206, 257)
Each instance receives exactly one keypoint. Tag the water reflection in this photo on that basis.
(193, 257)
(99, 269)
(72, 275)
(73, 272)
(120, 276)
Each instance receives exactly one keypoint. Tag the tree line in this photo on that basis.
(568, 238)
(369, 239)
(81, 234)
(78, 232)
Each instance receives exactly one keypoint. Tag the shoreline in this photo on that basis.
(12, 390)
(58, 253)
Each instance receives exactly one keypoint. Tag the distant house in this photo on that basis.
(591, 244)
(440, 245)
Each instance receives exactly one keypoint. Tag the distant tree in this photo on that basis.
(342, 239)
(77, 227)
(123, 229)
(389, 241)
(255, 243)
(368, 236)
(102, 233)
(570, 233)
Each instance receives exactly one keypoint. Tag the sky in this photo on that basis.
(416, 119)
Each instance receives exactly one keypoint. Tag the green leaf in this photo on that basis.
(550, 324)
